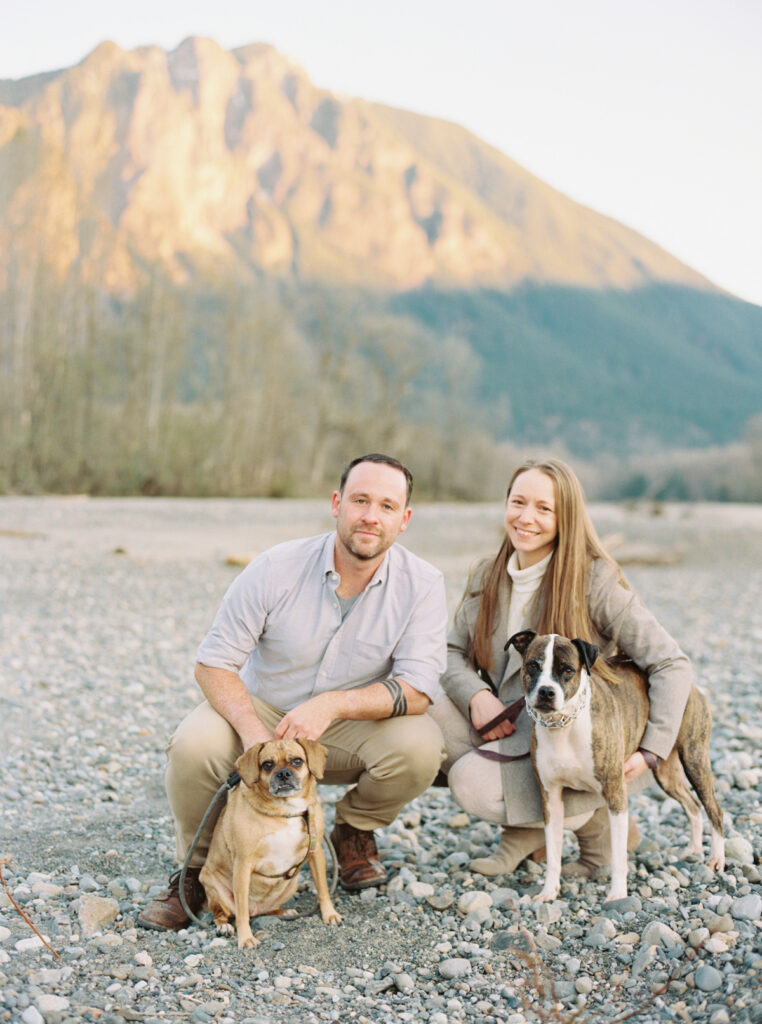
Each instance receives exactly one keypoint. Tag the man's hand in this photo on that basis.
(634, 766)
(484, 707)
(311, 719)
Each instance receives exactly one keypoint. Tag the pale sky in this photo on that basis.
(649, 111)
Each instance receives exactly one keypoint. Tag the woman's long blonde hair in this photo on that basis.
(560, 605)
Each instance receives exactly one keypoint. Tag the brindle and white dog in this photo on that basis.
(584, 730)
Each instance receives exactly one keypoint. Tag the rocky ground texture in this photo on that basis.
(102, 605)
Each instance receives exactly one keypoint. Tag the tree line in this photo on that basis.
(266, 389)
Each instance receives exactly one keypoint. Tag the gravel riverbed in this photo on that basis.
(102, 605)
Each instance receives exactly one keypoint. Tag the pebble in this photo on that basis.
(437, 943)
(748, 908)
(708, 978)
(455, 968)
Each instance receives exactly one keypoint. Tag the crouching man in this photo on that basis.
(339, 637)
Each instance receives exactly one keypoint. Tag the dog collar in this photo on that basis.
(556, 720)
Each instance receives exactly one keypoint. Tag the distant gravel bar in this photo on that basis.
(102, 605)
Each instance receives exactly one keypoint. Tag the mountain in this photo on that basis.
(206, 158)
(214, 168)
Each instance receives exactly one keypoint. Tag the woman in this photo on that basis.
(552, 575)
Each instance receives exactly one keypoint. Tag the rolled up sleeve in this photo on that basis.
(419, 656)
(240, 620)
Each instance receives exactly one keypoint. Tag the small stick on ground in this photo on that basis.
(6, 859)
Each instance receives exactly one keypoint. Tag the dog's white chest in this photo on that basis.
(564, 757)
(283, 848)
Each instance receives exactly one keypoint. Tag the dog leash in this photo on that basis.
(509, 714)
(230, 783)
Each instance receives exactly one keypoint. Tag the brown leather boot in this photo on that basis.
(165, 911)
(357, 854)
(594, 839)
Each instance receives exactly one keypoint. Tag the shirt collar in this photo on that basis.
(329, 566)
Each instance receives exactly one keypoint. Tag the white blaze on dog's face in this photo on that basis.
(552, 673)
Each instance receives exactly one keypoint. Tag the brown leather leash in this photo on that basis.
(509, 714)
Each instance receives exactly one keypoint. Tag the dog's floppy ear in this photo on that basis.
(588, 652)
(521, 640)
(315, 755)
(247, 764)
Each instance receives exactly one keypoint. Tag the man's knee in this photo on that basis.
(203, 737)
(416, 750)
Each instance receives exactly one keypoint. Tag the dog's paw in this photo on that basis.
(716, 864)
(331, 916)
(546, 895)
(620, 893)
(248, 942)
(225, 929)
(291, 912)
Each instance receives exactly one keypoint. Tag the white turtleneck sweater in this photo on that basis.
(526, 583)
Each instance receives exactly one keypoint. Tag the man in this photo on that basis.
(340, 638)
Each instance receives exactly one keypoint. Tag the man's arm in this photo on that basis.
(229, 697)
(389, 698)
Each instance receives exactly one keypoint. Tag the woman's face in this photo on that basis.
(530, 517)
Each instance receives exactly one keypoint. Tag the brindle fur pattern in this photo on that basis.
(588, 753)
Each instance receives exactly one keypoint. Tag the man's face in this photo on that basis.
(372, 512)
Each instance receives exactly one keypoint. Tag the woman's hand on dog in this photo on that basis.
(485, 706)
(634, 766)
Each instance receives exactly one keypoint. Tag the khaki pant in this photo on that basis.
(387, 764)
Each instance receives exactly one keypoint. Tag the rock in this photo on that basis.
(51, 1004)
(629, 904)
(584, 985)
(549, 913)
(738, 848)
(657, 933)
(26, 945)
(95, 913)
(473, 900)
(441, 900)
(643, 959)
(747, 908)
(564, 990)
(698, 936)
(459, 821)
(32, 1015)
(456, 967)
(5, 933)
(403, 982)
(708, 978)
(421, 890)
(602, 932)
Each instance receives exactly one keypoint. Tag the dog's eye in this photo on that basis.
(567, 671)
(533, 666)
(297, 762)
(267, 766)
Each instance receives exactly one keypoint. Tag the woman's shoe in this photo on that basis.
(594, 838)
(516, 844)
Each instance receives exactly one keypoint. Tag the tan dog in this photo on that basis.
(271, 825)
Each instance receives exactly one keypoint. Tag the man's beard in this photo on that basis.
(364, 554)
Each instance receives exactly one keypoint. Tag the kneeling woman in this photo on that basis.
(552, 575)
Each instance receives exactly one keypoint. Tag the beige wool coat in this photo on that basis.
(623, 623)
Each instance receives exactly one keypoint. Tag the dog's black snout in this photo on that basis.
(546, 694)
(284, 775)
